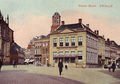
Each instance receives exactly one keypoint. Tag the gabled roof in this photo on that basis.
(73, 26)
(114, 43)
(14, 48)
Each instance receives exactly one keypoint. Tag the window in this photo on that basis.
(43, 51)
(61, 41)
(80, 40)
(79, 53)
(55, 60)
(40, 44)
(72, 59)
(72, 53)
(73, 41)
(66, 41)
(36, 45)
(66, 53)
(55, 42)
(61, 53)
(43, 44)
(35, 51)
(54, 53)
(67, 59)
(46, 51)
(79, 58)
(46, 43)
(39, 51)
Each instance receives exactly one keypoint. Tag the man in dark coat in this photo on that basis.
(60, 65)
(113, 66)
(0, 64)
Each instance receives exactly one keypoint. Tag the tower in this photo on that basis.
(1, 17)
(8, 20)
(56, 19)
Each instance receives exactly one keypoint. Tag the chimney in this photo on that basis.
(80, 20)
(87, 25)
(63, 22)
(108, 40)
(97, 32)
(103, 36)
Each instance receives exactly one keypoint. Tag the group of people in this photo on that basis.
(111, 65)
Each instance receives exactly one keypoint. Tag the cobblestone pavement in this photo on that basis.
(87, 75)
(21, 77)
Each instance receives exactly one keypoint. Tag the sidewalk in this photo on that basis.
(87, 75)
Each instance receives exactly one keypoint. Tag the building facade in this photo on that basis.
(16, 53)
(101, 50)
(6, 39)
(41, 55)
(72, 44)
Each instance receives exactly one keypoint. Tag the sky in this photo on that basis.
(31, 18)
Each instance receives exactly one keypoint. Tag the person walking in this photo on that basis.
(14, 64)
(113, 66)
(109, 66)
(60, 65)
(66, 65)
(0, 64)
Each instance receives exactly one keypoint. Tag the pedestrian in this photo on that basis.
(113, 66)
(14, 64)
(66, 65)
(0, 64)
(60, 65)
(117, 65)
(109, 66)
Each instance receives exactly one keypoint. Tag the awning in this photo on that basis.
(32, 60)
(26, 60)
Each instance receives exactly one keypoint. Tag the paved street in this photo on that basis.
(29, 74)
(21, 77)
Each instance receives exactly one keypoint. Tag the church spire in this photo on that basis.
(1, 17)
(7, 19)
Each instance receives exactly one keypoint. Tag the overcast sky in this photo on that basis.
(31, 18)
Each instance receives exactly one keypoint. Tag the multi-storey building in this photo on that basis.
(101, 50)
(16, 53)
(30, 51)
(107, 51)
(74, 43)
(112, 51)
(42, 50)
